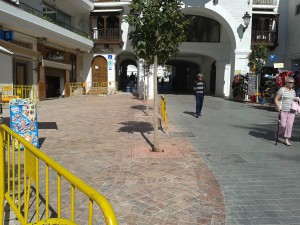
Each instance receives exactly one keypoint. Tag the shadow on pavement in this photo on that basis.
(142, 108)
(41, 141)
(139, 127)
(47, 125)
(287, 157)
(135, 126)
(189, 113)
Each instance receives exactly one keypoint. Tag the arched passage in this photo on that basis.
(125, 59)
(211, 45)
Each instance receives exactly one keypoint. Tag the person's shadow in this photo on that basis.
(189, 113)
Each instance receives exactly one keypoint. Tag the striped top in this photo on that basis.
(287, 98)
(200, 87)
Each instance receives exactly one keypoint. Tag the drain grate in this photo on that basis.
(181, 134)
(224, 158)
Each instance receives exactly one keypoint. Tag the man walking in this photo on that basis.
(199, 89)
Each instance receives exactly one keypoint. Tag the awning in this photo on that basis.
(107, 10)
(57, 65)
(5, 50)
(19, 50)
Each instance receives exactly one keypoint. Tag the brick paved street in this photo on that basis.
(228, 151)
(104, 141)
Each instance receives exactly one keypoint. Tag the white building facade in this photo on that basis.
(90, 43)
(217, 54)
(47, 43)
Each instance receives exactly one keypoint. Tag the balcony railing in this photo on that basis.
(268, 38)
(112, 34)
(40, 14)
(264, 2)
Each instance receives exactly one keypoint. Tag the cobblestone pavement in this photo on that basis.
(105, 142)
(260, 181)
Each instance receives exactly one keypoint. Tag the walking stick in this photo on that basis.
(279, 118)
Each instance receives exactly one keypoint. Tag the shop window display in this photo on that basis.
(240, 87)
(271, 84)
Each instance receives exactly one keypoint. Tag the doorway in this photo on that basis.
(20, 74)
(99, 70)
(52, 87)
(212, 82)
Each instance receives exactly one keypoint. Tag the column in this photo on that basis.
(222, 79)
(66, 91)
(41, 83)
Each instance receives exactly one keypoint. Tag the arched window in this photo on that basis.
(112, 22)
(100, 22)
(202, 29)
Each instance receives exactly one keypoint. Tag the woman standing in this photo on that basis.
(199, 89)
(283, 100)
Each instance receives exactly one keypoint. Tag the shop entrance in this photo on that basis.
(52, 87)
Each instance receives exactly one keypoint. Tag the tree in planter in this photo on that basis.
(159, 30)
(257, 59)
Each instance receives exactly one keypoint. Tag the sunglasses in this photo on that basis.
(290, 82)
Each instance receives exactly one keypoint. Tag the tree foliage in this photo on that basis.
(159, 28)
(258, 57)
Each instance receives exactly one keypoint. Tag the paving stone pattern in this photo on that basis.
(105, 142)
(266, 188)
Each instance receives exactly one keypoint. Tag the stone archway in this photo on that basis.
(123, 60)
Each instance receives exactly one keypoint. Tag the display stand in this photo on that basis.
(23, 119)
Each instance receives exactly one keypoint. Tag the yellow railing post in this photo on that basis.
(163, 110)
(2, 178)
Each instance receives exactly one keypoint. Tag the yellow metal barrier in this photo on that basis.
(18, 91)
(77, 88)
(93, 88)
(163, 111)
(112, 87)
(23, 183)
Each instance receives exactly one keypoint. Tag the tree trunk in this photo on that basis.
(147, 93)
(155, 109)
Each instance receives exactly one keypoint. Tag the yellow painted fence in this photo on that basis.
(18, 91)
(40, 191)
(93, 88)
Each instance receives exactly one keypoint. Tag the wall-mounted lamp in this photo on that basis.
(96, 67)
(246, 19)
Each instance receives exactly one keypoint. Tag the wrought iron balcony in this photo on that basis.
(266, 37)
(264, 2)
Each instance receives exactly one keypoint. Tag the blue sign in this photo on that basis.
(6, 35)
(272, 57)
(109, 56)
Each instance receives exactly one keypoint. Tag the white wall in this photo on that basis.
(293, 35)
(6, 69)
